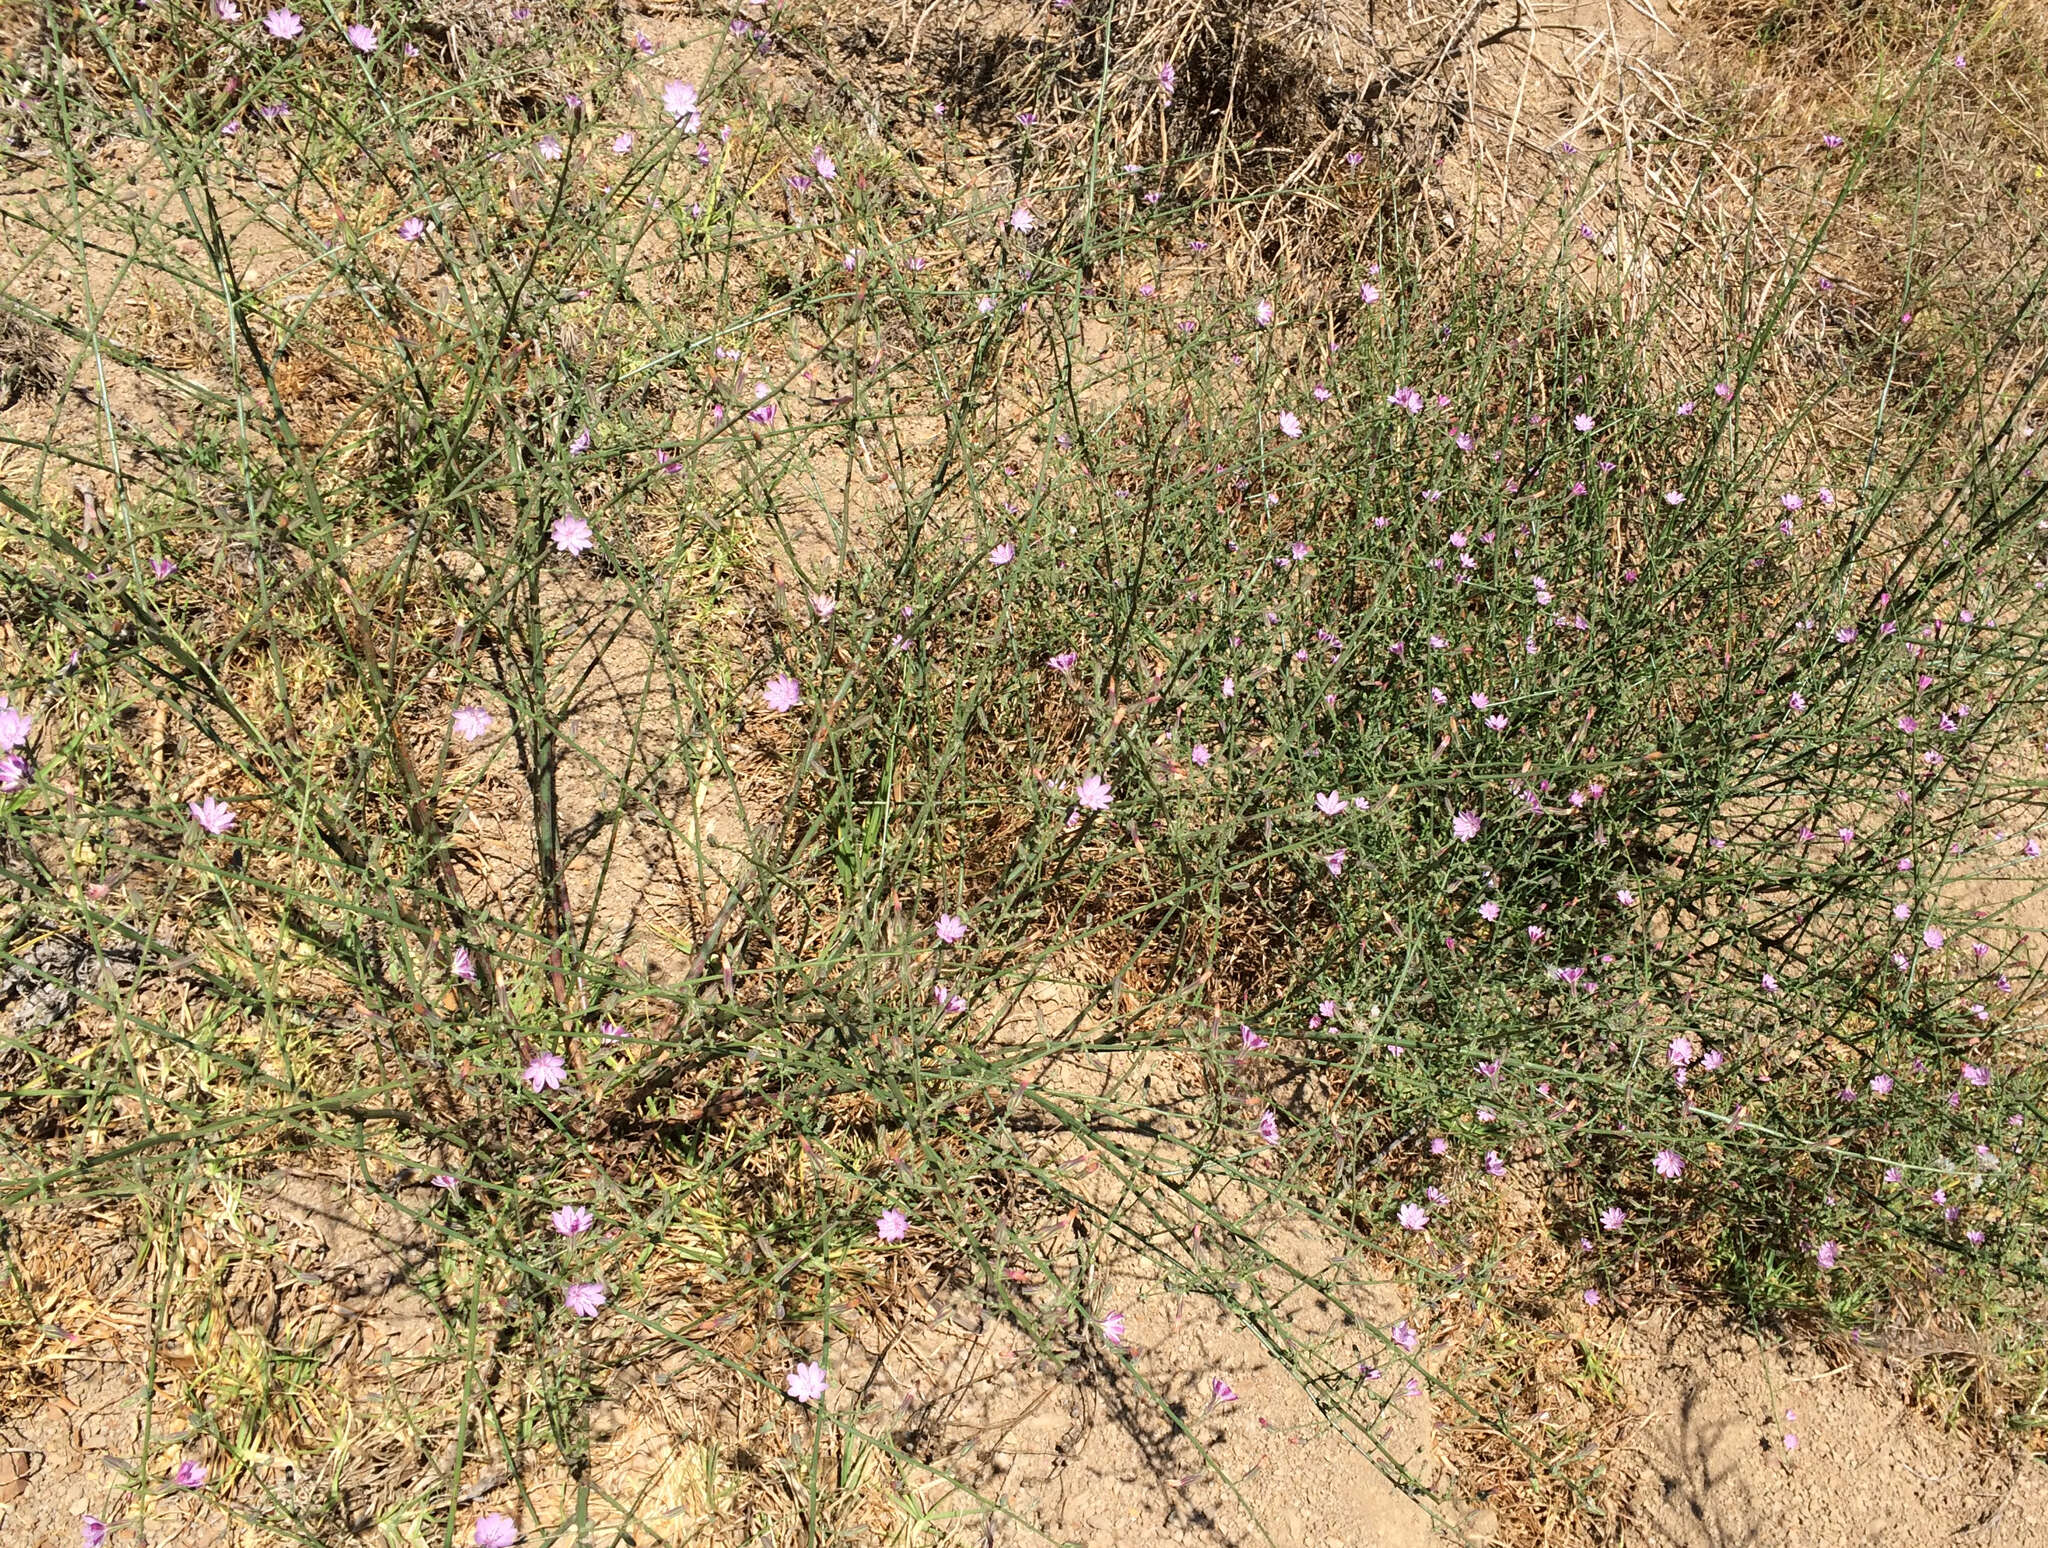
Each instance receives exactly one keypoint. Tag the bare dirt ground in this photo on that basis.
(1032, 1452)
(1869, 1465)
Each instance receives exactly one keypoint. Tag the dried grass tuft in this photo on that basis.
(28, 360)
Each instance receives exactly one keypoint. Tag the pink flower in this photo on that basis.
(1933, 938)
(13, 772)
(464, 965)
(1221, 1392)
(1113, 1327)
(411, 229)
(544, 1073)
(15, 726)
(951, 929)
(572, 1220)
(1613, 1218)
(1021, 219)
(1582, 423)
(571, 534)
(92, 1531)
(190, 1475)
(623, 143)
(496, 1531)
(363, 39)
(679, 101)
(212, 814)
(1368, 293)
(1977, 1074)
(1166, 81)
(1674, 497)
(1668, 1163)
(584, 1299)
(1063, 663)
(1826, 1254)
(1290, 425)
(1002, 554)
(782, 693)
(1407, 398)
(1094, 793)
(162, 568)
(1489, 910)
(1250, 1041)
(1406, 1337)
(1465, 827)
(892, 1225)
(283, 25)
(805, 1381)
(1480, 701)
(1200, 755)
(1330, 803)
(472, 721)
(1335, 861)
(1680, 1051)
(1413, 1217)
(1269, 1128)
(823, 164)
(227, 11)
(1262, 314)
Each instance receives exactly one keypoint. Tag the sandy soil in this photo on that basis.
(1078, 1456)
(1869, 1466)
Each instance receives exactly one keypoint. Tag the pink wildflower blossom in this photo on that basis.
(544, 1072)
(212, 814)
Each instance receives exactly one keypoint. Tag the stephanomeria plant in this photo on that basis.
(1464, 758)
